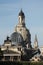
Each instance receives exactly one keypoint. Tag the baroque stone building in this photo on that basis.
(18, 46)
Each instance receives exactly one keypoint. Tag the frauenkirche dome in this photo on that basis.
(21, 34)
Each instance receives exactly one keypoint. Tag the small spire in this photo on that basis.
(36, 38)
(36, 42)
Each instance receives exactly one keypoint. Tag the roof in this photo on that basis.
(21, 13)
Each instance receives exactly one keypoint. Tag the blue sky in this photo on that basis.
(33, 10)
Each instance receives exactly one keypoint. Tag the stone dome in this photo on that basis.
(26, 35)
(24, 32)
(16, 38)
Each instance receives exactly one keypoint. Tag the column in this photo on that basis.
(18, 58)
(3, 58)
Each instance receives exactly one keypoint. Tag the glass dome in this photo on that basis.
(16, 38)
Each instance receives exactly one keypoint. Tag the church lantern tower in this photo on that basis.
(21, 18)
